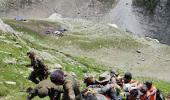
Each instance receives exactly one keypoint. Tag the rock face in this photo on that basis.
(5, 28)
(55, 16)
(88, 9)
(10, 83)
(10, 60)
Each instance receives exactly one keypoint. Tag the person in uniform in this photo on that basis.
(89, 79)
(70, 85)
(45, 88)
(40, 70)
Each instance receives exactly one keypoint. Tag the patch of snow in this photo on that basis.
(55, 16)
(153, 40)
(113, 25)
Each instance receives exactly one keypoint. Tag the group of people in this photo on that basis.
(111, 85)
(64, 86)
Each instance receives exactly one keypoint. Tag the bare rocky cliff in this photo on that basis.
(44, 8)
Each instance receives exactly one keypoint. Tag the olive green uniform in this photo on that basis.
(40, 70)
(71, 88)
(46, 88)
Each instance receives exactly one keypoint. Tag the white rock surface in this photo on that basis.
(113, 25)
(10, 60)
(10, 82)
(55, 16)
(5, 28)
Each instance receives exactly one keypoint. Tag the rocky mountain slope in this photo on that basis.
(88, 9)
(85, 47)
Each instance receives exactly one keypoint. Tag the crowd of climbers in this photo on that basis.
(65, 86)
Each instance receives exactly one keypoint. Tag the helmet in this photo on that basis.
(57, 77)
(104, 78)
(128, 76)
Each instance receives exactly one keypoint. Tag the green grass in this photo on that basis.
(85, 42)
(78, 64)
(12, 72)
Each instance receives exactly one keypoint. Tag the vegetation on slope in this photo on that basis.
(12, 49)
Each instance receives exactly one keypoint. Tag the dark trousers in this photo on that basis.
(115, 95)
(41, 75)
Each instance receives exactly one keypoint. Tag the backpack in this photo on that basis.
(159, 95)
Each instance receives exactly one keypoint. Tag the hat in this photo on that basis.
(128, 76)
(57, 76)
(113, 73)
(104, 77)
(42, 92)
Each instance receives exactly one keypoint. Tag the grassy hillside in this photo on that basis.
(75, 51)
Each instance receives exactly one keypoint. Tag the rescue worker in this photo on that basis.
(168, 97)
(45, 88)
(95, 94)
(114, 91)
(40, 70)
(70, 85)
(151, 90)
(89, 79)
(127, 79)
(134, 94)
(129, 84)
(99, 92)
(142, 91)
(115, 78)
(113, 75)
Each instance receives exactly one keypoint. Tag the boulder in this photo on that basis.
(55, 16)
(10, 60)
(113, 25)
(10, 82)
(5, 28)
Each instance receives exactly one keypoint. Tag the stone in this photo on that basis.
(73, 74)
(58, 66)
(47, 56)
(18, 46)
(143, 59)
(10, 82)
(138, 51)
(10, 60)
(2, 37)
(6, 52)
(113, 25)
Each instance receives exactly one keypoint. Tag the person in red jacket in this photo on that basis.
(168, 96)
(151, 90)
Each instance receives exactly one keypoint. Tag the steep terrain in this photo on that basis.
(85, 47)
